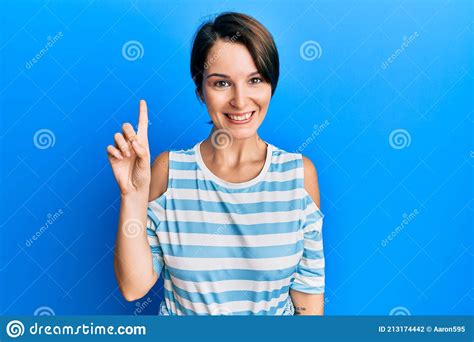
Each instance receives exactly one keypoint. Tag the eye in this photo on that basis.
(256, 80)
(221, 84)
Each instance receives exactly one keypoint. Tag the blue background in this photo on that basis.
(83, 89)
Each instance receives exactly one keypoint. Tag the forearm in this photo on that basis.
(307, 304)
(133, 261)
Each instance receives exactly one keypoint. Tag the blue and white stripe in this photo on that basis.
(235, 248)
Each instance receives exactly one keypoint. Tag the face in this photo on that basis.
(236, 95)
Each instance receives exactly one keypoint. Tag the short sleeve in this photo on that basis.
(152, 223)
(309, 276)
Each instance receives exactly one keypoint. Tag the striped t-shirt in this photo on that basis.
(235, 248)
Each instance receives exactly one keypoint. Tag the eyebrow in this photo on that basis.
(227, 76)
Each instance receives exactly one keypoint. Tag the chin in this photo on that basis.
(242, 134)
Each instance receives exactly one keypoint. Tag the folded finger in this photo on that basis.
(114, 152)
(122, 144)
(128, 132)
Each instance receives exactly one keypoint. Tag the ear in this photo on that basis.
(200, 95)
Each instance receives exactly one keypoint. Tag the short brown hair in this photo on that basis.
(239, 28)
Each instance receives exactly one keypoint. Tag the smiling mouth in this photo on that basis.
(240, 118)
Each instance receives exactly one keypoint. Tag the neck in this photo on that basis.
(230, 152)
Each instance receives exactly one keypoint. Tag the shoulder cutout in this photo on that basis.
(159, 176)
(311, 180)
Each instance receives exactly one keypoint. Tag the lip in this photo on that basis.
(240, 114)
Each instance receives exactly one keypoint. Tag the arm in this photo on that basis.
(129, 158)
(133, 261)
(307, 303)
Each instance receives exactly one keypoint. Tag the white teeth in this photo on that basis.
(240, 117)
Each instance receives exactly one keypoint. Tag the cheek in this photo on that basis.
(215, 99)
(262, 97)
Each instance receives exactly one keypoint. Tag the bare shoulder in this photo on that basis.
(159, 176)
(311, 180)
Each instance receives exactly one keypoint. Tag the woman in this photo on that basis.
(233, 223)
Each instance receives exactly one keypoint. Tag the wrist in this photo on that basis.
(135, 197)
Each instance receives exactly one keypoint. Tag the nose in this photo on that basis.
(239, 97)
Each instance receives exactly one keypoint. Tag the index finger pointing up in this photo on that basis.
(143, 119)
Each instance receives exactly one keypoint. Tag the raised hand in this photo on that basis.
(130, 157)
